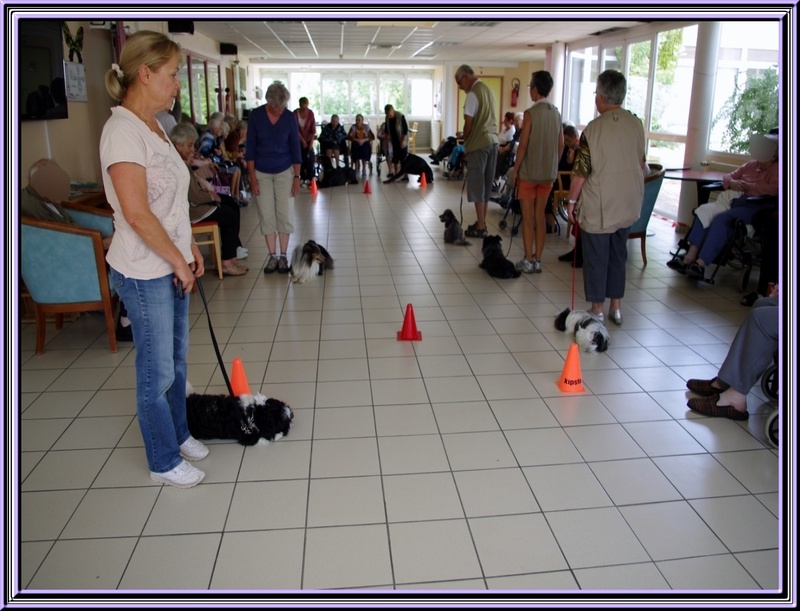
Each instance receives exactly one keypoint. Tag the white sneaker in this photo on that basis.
(523, 265)
(182, 476)
(537, 266)
(191, 449)
(241, 252)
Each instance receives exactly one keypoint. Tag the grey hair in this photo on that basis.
(612, 85)
(278, 94)
(215, 123)
(183, 133)
(464, 69)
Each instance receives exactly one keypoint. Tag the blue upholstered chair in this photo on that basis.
(64, 269)
(652, 185)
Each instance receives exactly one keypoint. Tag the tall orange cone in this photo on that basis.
(423, 182)
(409, 332)
(313, 190)
(570, 380)
(239, 379)
(367, 190)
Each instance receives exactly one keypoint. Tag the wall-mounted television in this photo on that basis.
(42, 88)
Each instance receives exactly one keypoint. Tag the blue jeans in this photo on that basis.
(160, 322)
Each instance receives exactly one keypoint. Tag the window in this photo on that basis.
(392, 92)
(746, 88)
(638, 78)
(583, 78)
(335, 96)
(200, 80)
(306, 85)
(363, 96)
(420, 96)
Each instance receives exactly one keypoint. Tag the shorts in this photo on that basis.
(528, 190)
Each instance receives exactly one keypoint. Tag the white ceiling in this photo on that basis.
(417, 42)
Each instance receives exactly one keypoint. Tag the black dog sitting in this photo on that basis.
(247, 418)
(412, 164)
(453, 232)
(494, 261)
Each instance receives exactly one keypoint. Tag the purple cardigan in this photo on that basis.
(273, 148)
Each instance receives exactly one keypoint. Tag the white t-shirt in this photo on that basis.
(507, 135)
(470, 104)
(126, 138)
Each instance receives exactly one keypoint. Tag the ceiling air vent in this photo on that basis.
(479, 24)
(608, 31)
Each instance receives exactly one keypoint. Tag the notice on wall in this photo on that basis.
(75, 75)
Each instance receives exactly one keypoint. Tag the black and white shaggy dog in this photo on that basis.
(249, 419)
(494, 261)
(590, 333)
(309, 260)
(413, 164)
(453, 233)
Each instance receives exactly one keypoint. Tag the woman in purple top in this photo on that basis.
(272, 153)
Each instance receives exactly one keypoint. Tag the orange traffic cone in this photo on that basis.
(409, 332)
(570, 380)
(423, 182)
(367, 190)
(239, 379)
(313, 190)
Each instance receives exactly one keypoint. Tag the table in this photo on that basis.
(701, 177)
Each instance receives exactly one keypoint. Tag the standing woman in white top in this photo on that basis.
(153, 259)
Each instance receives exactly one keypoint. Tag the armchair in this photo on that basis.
(652, 185)
(64, 270)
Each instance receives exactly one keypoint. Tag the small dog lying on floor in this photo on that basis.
(412, 164)
(309, 260)
(590, 334)
(249, 419)
(494, 261)
(453, 233)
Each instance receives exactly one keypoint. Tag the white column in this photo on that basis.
(699, 124)
(558, 70)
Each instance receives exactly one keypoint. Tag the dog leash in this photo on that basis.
(574, 260)
(214, 337)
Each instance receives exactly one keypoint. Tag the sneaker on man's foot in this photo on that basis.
(537, 266)
(272, 264)
(191, 449)
(184, 475)
(241, 252)
(523, 265)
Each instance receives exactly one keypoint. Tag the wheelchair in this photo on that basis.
(742, 251)
(769, 386)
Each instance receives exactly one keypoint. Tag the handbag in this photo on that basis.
(221, 189)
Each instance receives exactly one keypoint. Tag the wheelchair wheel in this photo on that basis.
(769, 382)
(771, 429)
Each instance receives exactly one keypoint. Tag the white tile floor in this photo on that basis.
(453, 463)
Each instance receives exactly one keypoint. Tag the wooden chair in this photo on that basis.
(206, 233)
(412, 138)
(652, 185)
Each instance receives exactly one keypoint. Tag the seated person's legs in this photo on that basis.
(751, 352)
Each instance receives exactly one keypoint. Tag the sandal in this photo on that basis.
(749, 299)
(705, 387)
(695, 271)
(708, 407)
(677, 265)
(232, 270)
(473, 231)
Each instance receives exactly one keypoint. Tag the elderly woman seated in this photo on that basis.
(211, 146)
(208, 205)
(361, 137)
(332, 140)
(714, 223)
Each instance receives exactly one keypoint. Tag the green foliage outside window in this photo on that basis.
(751, 109)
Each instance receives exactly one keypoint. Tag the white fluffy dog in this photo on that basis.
(590, 333)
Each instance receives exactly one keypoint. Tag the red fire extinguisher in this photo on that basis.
(514, 91)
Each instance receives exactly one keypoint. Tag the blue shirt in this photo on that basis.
(273, 148)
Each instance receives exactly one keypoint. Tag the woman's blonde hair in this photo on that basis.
(144, 48)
